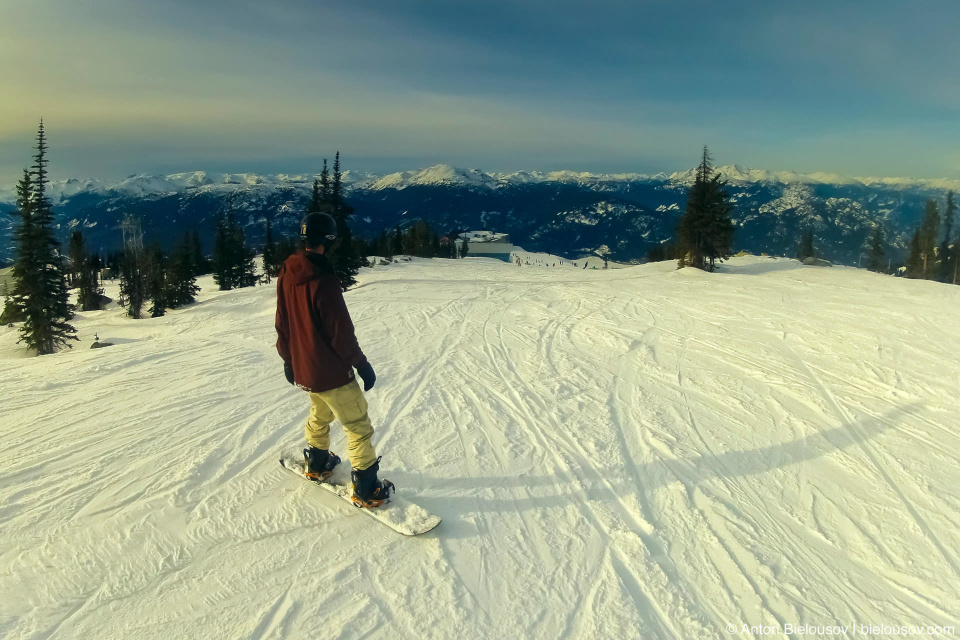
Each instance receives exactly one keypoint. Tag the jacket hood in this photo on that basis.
(302, 267)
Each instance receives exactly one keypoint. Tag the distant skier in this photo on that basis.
(320, 351)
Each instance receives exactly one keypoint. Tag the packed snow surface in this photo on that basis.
(630, 453)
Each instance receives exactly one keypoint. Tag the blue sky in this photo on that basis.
(170, 85)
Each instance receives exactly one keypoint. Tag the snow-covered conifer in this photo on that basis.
(705, 231)
(40, 288)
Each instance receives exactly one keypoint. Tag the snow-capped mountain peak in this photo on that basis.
(441, 174)
(444, 175)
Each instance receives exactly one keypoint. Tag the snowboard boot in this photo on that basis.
(319, 463)
(368, 492)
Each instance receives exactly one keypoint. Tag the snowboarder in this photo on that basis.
(320, 352)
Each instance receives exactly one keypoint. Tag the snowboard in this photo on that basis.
(398, 513)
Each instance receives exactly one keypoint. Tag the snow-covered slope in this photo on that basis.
(632, 453)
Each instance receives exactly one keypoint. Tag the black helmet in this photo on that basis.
(318, 228)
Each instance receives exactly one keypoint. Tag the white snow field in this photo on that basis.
(635, 453)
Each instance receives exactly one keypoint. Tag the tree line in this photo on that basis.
(153, 280)
(933, 254)
(934, 250)
(42, 276)
(418, 240)
(705, 235)
(165, 280)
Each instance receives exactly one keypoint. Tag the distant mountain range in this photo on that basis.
(562, 212)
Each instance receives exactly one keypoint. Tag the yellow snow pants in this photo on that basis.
(347, 405)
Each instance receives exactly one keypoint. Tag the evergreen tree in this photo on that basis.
(397, 239)
(233, 261)
(929, 232)
(408, 241)
(95, 263)
(244, 267)
(223, 257)
(876, 259)
(40, 288)
(10, 313)
(420, 240)
(947, 258)
(271, 263)
(84, 275)
(321, 198)
(806, 249)
(89, 292)
(201, 266)
(336, 187)
(182, 289)
(344, 257)
(375, 246)
(914, 266)
(464, 247)
(427, 245)
(133, 282)
(705, 231)
(76, 254)
(113, 261)
(24, 236)
(384, 245)
(156, 281)
(316, 202)
(361, 248)
(662, 252)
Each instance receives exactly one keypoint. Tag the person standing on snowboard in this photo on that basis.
(320, 352)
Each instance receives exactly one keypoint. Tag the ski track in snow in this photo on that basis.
(633, 453)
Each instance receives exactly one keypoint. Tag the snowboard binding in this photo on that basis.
(368, 491)
(380, 496)
(318, 464)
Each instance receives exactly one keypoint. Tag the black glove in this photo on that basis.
(365, 371)
(288, 371)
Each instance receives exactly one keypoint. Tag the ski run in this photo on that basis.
(769, 450)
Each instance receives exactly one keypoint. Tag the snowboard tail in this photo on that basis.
(398, 513)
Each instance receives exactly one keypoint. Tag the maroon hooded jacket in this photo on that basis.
(314, 329)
